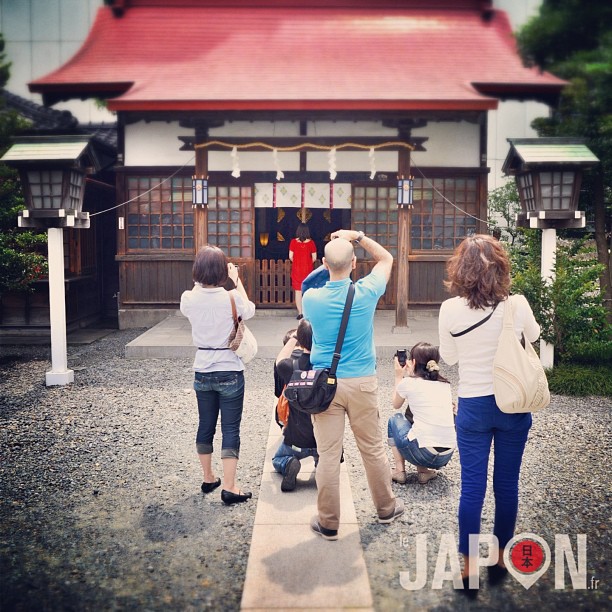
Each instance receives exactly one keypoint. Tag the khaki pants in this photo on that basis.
(357, 397)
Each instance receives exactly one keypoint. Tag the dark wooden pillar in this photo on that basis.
(200, 213)
(403, 247)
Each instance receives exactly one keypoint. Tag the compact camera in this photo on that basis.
(402, 356)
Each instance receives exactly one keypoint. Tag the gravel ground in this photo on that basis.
(100, 507)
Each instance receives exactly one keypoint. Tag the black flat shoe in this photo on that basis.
(497, 574)
(228, 498)
(207, 487)
(467, 591)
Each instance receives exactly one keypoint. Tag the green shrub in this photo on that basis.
(595, 353)
(580, 380)
(21, 262)
(570, 310)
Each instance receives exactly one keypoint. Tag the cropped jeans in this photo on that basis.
(397, 431)
(480, 422)
(219, 392)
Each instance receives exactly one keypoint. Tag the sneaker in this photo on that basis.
(399, 510)
(326, 534)
(425, 477)
(291, 471)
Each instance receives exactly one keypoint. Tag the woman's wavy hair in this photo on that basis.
(210, 267)
(302, 233)
(427, 359)
(479, 271)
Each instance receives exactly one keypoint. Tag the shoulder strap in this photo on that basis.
(342, 332)
(469, 329)
(234, 312)
(508, 314)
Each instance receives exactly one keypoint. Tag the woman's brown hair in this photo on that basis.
(302, 233)
(426, 362)
(210, 267)
(479, 271)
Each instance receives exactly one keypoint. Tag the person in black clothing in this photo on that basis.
(298, 436)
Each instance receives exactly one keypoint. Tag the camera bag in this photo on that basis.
(312, 391)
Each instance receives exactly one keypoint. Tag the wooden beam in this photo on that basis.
(200, 213)
(403, 249)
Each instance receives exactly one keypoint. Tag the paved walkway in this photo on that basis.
(172, 337)
(281, 532)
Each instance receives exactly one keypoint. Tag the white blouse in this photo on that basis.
(475, 350)
(431, 404)
(209, 311)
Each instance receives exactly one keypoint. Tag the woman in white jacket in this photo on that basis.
(469, 327)
(219, 372)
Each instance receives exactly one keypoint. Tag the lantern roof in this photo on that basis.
(529, 152)
(81, 150)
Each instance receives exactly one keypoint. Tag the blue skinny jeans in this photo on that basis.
(219, 392)
(480, 422)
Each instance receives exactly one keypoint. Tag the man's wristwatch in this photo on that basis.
(360, 236)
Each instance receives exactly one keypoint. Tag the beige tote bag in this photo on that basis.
(519, 380)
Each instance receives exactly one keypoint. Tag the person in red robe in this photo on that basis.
(303, 254)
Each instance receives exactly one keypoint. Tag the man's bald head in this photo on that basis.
(339, 255)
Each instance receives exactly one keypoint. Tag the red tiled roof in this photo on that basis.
(238, 58)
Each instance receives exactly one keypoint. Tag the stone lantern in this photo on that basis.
(52, 171)
(548, 173)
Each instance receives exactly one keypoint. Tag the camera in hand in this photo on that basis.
(402, 356)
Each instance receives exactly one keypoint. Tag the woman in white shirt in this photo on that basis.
(219, 372)
(425, 434)
(469, 326)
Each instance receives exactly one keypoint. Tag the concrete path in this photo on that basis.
(332, 575)
(171, 338)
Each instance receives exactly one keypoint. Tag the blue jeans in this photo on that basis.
(397, 432)
(480, 422)
(285, 452)
(219, 392)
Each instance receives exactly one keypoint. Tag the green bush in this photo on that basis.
(595, 353)
(21, 262)
(580, 380)
(570, 310)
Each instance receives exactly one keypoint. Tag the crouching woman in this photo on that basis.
(425, 434)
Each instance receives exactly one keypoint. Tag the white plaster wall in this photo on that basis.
(450, 144)
(251, 129)
(156, 144)
(350, 128)
(40, 36)
(511, 120)
(519, 11)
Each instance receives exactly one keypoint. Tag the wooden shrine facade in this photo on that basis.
(161, 230)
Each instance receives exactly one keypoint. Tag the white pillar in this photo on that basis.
(549, 256)
(59, 373)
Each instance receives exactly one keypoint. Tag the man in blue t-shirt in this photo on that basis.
(356, 395)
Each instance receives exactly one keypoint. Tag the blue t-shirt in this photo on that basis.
(323, 308)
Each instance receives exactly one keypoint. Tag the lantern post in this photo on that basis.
(548, 173)
(52, 170)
